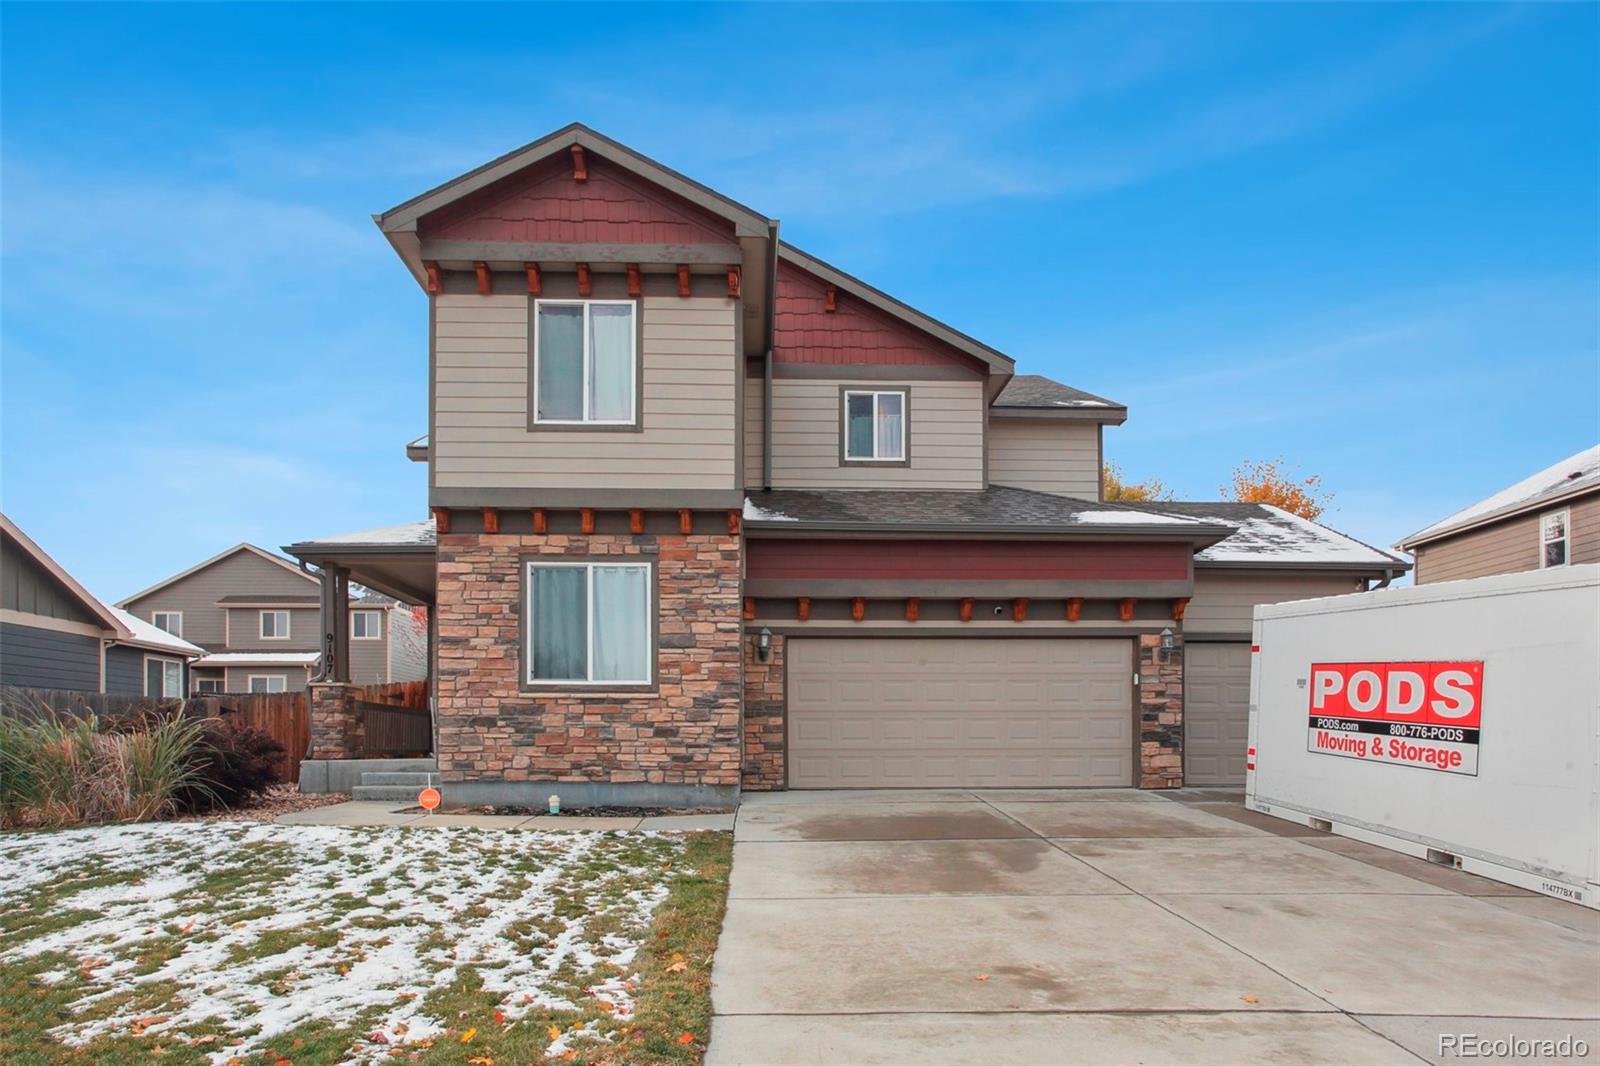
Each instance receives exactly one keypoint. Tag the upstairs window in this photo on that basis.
(171, 621)
(1553, 539)
(585, 360)
(274, 625)
(268, 683)
(874, 426)
(366, 625)
(588, 624)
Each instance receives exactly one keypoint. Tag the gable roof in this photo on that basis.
(217, 558)
(86, 599)
(404, 216)
(1572, 476)
(1268, 537)
(997, 362)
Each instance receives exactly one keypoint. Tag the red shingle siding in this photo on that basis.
(935, 560)
(545, 204)
(855, 333)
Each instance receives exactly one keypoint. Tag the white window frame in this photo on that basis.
(261, 624)
(588, 633)
(221, 684)
(170, 614)
(633, 364)
(369, 636)
(250, 684)
(1565, 514)
(165, 661)
(905, 422)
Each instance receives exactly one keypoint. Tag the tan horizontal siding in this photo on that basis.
(754, 397)
(481, 437)
(1046, 455)
(1510, 546)
(946, 437)
(1223, 602)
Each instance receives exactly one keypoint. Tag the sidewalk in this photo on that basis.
(374, 813)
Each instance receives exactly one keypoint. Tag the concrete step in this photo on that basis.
(386, 793)
(394, 777)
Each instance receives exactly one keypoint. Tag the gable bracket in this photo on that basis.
(580, 169)
(485, 279)
(533, 278)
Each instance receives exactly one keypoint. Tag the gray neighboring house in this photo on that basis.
(256, 616)
(55, 634)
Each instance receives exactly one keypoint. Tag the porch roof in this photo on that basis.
(394, 560)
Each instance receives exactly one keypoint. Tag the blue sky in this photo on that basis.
(1362, 237)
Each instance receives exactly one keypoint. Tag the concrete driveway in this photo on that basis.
(1117, 926)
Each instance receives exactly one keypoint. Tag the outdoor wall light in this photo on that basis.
(764, 644)
(1166, 644)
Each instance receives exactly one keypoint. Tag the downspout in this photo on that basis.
(766, 385)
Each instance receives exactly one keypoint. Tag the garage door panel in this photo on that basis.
(1216, 713)
(919, 712)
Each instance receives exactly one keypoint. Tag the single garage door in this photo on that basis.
(887, 712)
(1216, 713)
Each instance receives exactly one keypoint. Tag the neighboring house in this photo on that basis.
(711, 514)
(1547, 520)
(55, 634)
(257, 617)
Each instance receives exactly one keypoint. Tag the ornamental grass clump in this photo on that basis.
(65, 770)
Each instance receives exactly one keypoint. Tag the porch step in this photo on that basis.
(391, 785)
(421, 779)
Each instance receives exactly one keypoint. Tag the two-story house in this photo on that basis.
(258, 618)
(1546, 520)
(56, 634)
(710, 514)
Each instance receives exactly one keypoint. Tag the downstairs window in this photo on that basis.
(588, 623)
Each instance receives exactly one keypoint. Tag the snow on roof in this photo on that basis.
(1574, 472)
(154, 636)
(1273, 535)
(755, 513)
(1128, 517)
(410, 533)
(259, 658)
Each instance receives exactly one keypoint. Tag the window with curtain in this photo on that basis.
(584, 362)
(589, 623)
(875, 426)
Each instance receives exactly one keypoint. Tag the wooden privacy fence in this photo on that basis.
(394, 732)
(284, 716)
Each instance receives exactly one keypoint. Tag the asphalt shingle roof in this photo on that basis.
(1266, 536)
(995, 508)
(1036, 390)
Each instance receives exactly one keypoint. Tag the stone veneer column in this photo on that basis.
(499, 741)
(335, 732)
(764, 716)
(1160, 713)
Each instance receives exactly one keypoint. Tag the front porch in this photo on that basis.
(358, 730)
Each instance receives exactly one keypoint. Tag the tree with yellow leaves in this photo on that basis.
(1270, 482)
(1115, 488)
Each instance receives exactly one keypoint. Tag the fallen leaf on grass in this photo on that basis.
(555, 1032)
(378, 1037)
(481, 1060)
(466, 1037)
(201, 1041)
(677, 967)
(499, 1018)
(685, 1038)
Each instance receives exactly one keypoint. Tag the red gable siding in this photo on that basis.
(938, 561)
(545, 204)
(804, 332)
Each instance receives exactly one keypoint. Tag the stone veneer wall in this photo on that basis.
(1160, 713)
(685, 735)
(764, 716)
(336, 731)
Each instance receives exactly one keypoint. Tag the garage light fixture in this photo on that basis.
(764, 644)
(1167, 643)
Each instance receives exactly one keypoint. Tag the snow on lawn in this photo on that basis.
(260, 930)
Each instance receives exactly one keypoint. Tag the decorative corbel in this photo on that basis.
(685, 521)
(858, 609)
(1019, 609)
(734, 518)
(586, 519)
(541, 521)
(635, 285)
(1125, 609)
(733, 283)
(585, 281)
(485, 279)
(830, 300)
(1074, 609)
(636, 521)
(491, 520)
(580, 169)
(913, 609)
(802, 608)
(684, 287)
(534, 286)
(965, 612)
(434, 285)
(1178, 609)
(749, 609)
(441, 519)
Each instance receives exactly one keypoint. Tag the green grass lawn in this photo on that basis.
(231, 942)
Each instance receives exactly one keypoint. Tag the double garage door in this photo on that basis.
(885, 712)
